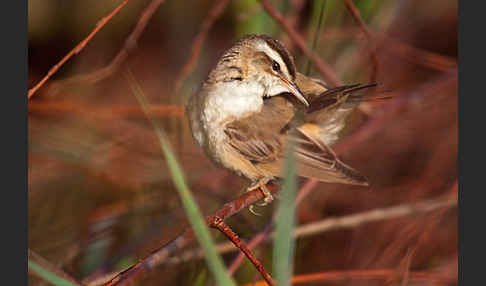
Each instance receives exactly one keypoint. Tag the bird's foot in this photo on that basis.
(261, 184)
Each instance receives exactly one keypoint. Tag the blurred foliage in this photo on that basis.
(253, 20)
(101, 196)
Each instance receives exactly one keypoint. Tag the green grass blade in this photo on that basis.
(322, 7)
(283, 250)
(48, 275)
(195, 217)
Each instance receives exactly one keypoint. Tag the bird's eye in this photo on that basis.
(275, 66)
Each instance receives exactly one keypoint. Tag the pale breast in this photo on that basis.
(255, 142)
(214, 107)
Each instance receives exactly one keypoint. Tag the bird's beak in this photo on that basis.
(294, 89)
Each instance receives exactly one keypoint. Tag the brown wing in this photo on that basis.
(346, 94)
(260, 138)
(255, 146)
(331, 108)
(316, 160)
(321, 97)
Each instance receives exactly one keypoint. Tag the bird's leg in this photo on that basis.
(261, 184)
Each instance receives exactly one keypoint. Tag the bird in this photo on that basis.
(254, 102)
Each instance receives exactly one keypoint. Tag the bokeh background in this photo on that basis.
(100, 195)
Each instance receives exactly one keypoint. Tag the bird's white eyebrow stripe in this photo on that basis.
(279, 49)
(236, 68)
(274, 55)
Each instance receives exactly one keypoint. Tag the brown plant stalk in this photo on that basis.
(50, 267)
(325, 70)
(78, 48)
(334, 223)
(161, 110)
(372, 45)
(263, 235)
(448, 81)
(231, 235)
(160, 255)
(129, 45)
(419, 56)
(215, 12)
(371, 274)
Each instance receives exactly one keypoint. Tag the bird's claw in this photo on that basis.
(251, 208)
(268, 196)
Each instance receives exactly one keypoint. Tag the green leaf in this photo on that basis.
(283, 250)
(48, 275)
(195, 217)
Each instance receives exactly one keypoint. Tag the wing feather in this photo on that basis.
(264, 147)
(258, 144)
(317, 160)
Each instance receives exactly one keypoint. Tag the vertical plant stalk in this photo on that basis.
(218, 223)
(284, 244)
(316, 35)
(372, 45)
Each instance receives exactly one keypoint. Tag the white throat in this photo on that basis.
(232, 100)
(222, 104)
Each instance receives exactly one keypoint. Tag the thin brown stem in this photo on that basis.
(254, 242)
(51, 267)
(372, 45)
(418, 56)
(161, 110)
(325, 70)
(262, 235)
(374, 215)
(160, 255)
(78, 48)
(219, 224)
(129, 45)
(215, 12)
(343, 222)
(371, 274)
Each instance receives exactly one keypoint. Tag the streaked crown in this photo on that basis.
(251, 55)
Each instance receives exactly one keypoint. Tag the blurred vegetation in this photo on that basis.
(101, 195)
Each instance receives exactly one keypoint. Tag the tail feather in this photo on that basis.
(343, 175)
(334, 95)
(316, 160)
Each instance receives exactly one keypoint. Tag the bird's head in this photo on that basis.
(263, 59)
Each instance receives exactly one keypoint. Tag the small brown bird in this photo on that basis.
(244, 112)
